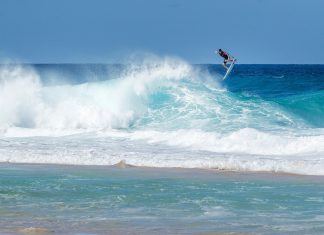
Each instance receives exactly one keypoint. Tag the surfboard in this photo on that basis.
(229, 69)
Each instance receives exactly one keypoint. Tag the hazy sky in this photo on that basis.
(255, 31)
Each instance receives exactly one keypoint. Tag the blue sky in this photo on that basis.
(255, 31)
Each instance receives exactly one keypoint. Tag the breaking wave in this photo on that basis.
(165, 103)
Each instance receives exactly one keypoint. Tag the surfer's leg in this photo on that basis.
(228, 59)
(224, 64)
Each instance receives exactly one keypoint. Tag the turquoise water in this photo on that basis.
(164, 112)
(102, 200)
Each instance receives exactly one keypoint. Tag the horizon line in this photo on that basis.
(104, 63)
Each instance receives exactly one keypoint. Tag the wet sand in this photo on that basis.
(175, 172)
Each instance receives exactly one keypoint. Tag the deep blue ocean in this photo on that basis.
(256, 141)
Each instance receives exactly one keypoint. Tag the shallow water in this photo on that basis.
(101, 200)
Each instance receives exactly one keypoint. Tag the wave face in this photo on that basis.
(165, 113)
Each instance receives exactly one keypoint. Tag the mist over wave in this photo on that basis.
(167, 107)
(112, 103)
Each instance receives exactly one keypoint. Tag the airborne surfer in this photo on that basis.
(226, 56)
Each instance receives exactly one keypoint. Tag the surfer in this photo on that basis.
(226, 56)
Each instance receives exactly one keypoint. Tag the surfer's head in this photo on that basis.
(219, 50)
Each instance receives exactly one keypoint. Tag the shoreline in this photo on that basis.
(202, 172)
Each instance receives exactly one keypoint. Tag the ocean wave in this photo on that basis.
(114, 103)
(243, 141)
(163, 113)
(169, 94)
